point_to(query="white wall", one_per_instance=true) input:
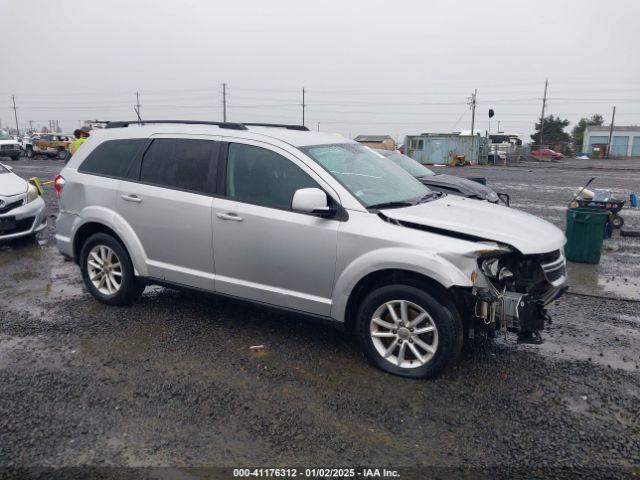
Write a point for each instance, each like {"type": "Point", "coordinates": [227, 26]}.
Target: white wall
{"type": "Point", "coordinates": [605, 133]}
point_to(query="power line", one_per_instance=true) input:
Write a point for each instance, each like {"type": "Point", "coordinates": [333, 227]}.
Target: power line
{"type": "Point", "coordinates": [15, 113]}
{"type": "Point", "coordinates": [303, 106]}
{"type": "Point", "coordinates": [137, 107]}
{"type": "Point", "coordinates": [224, 102]}
{"type": "Point", "coordinates": [544, 104]}
{"type": "Point", "coordinates": [472, 104]}
{"type": "Point", "coordinates": [613, 117]}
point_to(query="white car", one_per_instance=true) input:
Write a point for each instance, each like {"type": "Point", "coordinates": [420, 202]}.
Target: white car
{"type": "Point", "coordinates": [9, 147]}
{"type": "Point", "coordinates": [22, 209]}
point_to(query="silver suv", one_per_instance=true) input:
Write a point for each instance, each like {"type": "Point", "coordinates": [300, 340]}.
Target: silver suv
{"type": "Point", "coordinates": [309, 222]}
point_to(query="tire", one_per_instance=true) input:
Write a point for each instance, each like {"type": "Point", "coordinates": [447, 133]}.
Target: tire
{"type": "Point", "coordinates": [15, 158]}
{"type": "Point", "coordinates": [617, 221]}
{"type": "Point", "coordinates": [130, 287]}
{"type": "Point", "coordinates": [445, 337]}
{"type": "Point", "coordinates": [62, 154]}
{"type": "Point", "coordinates": [30, 152]}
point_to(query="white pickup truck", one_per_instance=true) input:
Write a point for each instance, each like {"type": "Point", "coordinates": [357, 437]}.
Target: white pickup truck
{"type": "Point", "coordinates": [9, 147]}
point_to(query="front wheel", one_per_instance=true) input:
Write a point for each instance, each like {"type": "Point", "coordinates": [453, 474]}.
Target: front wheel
{"type": "Point", "coordinates": [107, 271]}
{"type": "Point", "coordinates": [405, 331]}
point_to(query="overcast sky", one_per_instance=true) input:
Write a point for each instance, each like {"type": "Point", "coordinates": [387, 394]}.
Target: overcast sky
{"type": "Point", "coordinates": [368, 66]}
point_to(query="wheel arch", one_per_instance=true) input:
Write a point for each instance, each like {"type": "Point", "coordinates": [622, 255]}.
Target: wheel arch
{"type": "Point", "coordinates": [118, 230]}
{"type": "Point", "coordinates": [392, 276]}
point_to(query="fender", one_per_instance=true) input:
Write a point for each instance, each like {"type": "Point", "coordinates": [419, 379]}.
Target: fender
{"type": "Point", "coordinates": [115, 222]}
{"type": "Point", "coordinates": [428, 264]}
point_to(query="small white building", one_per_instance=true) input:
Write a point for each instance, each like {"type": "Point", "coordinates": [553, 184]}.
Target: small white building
{"type": "Point", "coordinates": [625, 141]}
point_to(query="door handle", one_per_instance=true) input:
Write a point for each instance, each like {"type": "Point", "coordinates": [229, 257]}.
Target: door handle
{"type": "Point", "coordinates": [131, 198]}
{"type": "Point", "coordinates": [229, 216]}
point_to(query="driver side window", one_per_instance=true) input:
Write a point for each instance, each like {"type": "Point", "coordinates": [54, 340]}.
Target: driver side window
{"type": "Point", "coordinates": [262, 177]}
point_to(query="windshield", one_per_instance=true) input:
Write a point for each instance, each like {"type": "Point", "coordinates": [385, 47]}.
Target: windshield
{"type": "Point", "coordinates": [369, 176]}
{"type": "Point", "coordinates": [412, 166]}
{"type": "Point", "coordinates": [5, 135]}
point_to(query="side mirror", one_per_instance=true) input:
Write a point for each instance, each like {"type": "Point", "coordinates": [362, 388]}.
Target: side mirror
{"type": "Point", "coordinates": [310, 200]}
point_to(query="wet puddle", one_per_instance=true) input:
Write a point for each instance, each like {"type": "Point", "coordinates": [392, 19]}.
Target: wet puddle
{"type": "Point", "coordinates": [34, 275]}
{"type": "Point", "coordinates": [602, 280]}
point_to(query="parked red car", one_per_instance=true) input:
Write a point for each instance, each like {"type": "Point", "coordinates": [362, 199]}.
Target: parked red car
{"type": "Point", "coordinates": [547, 153]}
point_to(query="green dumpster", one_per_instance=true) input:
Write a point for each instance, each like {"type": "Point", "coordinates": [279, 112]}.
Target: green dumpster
{"type": "Point", "coordinates": [481, 180]}
{"type": "Point", "coordinates": [585, 232]}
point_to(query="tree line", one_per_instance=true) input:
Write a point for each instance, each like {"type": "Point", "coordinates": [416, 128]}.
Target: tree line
{"type": "Point", "coordinates": [554, 134]}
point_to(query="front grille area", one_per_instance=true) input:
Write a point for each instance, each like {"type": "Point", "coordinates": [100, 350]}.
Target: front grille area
{"type": "Point", "coordinates": [550, 257]}
{"type": "Point", "coordinates": [555, 271]}
{"type": "Point", "coordinates": [8, 147]}
{"type": "Point", "coordinates": [10, 206]}
{"type": "Point", "coordinates": [555, 275]}
{"type": "Point", "coordinates": [22, 225]}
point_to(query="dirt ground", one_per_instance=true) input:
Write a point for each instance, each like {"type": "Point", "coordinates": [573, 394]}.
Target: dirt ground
{"type": "Point", "coordinates": [171, 381]}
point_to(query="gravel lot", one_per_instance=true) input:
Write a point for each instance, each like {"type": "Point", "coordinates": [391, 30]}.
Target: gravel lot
{"type": "Point", "coordinates": [171, 381]}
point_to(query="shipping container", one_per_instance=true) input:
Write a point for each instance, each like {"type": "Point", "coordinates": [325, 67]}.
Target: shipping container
{"type": "Point", "coordinates": [435, 148]}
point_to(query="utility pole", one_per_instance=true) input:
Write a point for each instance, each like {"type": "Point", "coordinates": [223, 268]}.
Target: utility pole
{"type": "Point", "coordinates": [31, 125]}
{"type": "Point", "coordinates": [318, 126]}
{"type": "Point", "coordinates": [303, 106]}
{"type": "Point", "coordinates": [544, 104]}
{"type": "Point", "coordinates": [15, 113]}
{"type": "Point", "coordinates": [137, 108]}
{"type": "Point", "coordinates": [613, 117]}
{"type": "Point", "coordinates": [472, 104]}
{"type": "Point", "coordinates": [224, 102]}
{"type": "Point", "coordinates": [498, 127]}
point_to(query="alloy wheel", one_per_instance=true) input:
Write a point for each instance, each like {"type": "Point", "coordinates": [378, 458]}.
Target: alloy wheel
{"type": "Point", "coordinates": [404, 334]}
{"type": "Point", "coordinates": [105, 270]}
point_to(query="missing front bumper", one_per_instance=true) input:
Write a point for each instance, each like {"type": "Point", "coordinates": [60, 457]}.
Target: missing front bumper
{"type": "Point", "coordinates": [515, 312]}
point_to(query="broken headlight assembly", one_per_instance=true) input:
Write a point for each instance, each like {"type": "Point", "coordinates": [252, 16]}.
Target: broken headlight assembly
{"type": "Point", "coordinates": [494, 270]}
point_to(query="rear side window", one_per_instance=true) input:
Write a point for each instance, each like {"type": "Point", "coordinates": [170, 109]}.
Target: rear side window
{"type": "Point", "coordinates": [184, 164]}
{"type": "Point", "coordinates": [113, 158]}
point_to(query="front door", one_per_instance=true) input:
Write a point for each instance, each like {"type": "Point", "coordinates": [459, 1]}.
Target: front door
{"type": "Point", "coordinates": [263, 250]}
{"type": "Point", "coordinates": [169, 209]}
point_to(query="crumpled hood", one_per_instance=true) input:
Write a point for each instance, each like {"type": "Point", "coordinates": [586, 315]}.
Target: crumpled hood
{"type": "Point", "coordinates": [527, 233]}
{"type": "Point", "coordinates": [11, 184]}
{"type": "Point", "coordinates": [467, 187]}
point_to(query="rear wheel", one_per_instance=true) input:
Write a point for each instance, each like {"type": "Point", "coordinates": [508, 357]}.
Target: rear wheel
{"type": "Point", "coordinates": [617, 221]}
{"type": "Point", "coordinates": [405, 331]}
{"type": "Point", "coordinates": [107, 271]}
{"type": "Point", "coordinates": [62, 154]}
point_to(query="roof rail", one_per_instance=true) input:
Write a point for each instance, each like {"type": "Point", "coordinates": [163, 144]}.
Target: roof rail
{"type": "Point", "coordinates": [229, 125]}
{"type": "Point", "coordinates": [279, 125]}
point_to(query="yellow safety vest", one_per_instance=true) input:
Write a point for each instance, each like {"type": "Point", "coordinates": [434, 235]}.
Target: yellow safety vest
{"type": "Point", "coordinates": [73, 146]}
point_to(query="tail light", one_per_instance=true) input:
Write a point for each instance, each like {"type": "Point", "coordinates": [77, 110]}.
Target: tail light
{"type": "Point", "coordinates": [58, 184]}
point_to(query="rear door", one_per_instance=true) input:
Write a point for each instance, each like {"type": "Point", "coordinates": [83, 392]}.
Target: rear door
{"type": "Point", "coordinates": [169, 208]}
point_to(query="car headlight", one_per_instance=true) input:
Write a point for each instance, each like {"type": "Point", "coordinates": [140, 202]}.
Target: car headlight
{"type": "Point", "coordinates": [32, 193]}
{"type": "Point", "coordinates": [491, 267]}
{"type": "Point", "coordinates": [494, 268]}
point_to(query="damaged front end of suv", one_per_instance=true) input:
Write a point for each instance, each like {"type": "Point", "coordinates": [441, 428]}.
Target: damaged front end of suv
{"type": "Point", "coordinates": [511, 291]}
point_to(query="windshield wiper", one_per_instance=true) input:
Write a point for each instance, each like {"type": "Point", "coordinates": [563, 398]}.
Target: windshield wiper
{"type": "Point", "coordinates": [380, 206]}
{"type": "Point", "coordinates": [429, 196]}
